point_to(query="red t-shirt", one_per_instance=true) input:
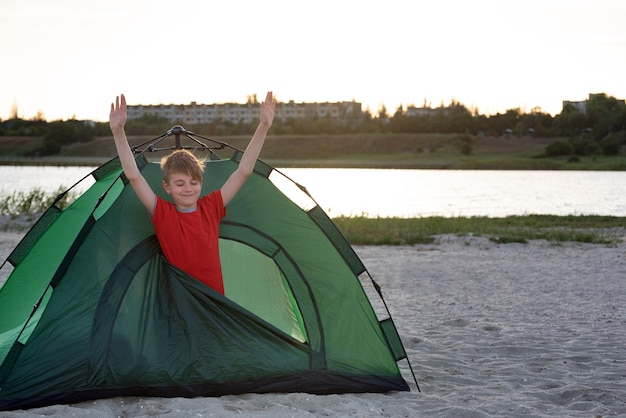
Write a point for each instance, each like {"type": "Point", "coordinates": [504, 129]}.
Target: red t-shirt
{"type": "Point", "coordinates": [190, 239]}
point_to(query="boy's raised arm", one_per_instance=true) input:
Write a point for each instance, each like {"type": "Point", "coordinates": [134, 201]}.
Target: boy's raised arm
{"type": "Point", "coordinates": [252, 152]}
{"type": "Point", "coordinates": [117, 120]}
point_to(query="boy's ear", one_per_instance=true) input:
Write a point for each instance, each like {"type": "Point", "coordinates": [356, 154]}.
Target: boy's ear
{"type": "Point", "coordinates": [167, 188]}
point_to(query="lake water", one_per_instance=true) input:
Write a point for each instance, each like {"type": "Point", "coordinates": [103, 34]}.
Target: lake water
{"type": "Point", "coordinates": [407, 193]}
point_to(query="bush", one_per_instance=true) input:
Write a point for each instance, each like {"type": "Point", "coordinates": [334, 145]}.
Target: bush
{"type": "Point", "coordinates": [50, 147]}
{"type": "Point", "coordinates": [464, 144]}
{"type": "Point", "coordinates": [559, 149]}
{"type": "Point", "coordinates": [585, 146]}
{"type": "Point", "coordinates": [611, 148]}
{"type": "Point", "coordinates": [612, 144]}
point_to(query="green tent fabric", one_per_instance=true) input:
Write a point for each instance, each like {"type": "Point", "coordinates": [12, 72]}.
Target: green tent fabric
{"type": "Point", "coordinates": [112, 317]}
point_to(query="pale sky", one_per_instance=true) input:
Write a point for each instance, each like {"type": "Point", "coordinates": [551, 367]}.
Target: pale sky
{"type": "Point", "coordinates": [69, 58]}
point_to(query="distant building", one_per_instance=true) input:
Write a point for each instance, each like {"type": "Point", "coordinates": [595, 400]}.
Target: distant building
{"type": "Point", "coordinates": [236, 113]}
{"type": "Point", "coordinates": [581, 105]}
{"type": "Point", "coordinates": [412, 111]}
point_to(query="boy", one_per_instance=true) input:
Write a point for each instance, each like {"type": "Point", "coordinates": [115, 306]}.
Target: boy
{"type": "Point", "coordinates": [188, 228]}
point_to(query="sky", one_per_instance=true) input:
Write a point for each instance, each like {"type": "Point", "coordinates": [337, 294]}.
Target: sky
{"type": "Point", "coordinates": [68, 59]}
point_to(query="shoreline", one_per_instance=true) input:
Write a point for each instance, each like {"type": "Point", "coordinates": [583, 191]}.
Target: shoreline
{"type": "Point", "coordinates": [601, 230]}
{"type": "Point", "coordinates": [385, 164]}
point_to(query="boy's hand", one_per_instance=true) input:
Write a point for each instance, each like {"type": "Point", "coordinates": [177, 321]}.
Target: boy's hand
{"type": "Point", "coordinates": [267, 110]}
{"type": "Point", "coordinates": [117, 117]}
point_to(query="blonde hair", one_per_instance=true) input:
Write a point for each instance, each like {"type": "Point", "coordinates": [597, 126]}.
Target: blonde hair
{"type": "Point", "coordinates": [183, 162]}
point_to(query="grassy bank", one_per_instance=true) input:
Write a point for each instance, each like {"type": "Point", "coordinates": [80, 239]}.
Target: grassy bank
{"type": "Point", "coordinates": [442, 151]}
{"type": "Point", "coordinates": [521, 229]}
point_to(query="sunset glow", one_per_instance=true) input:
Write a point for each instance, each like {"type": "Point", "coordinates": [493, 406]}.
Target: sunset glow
{"type": "Point", "coordinates": [69, 58]}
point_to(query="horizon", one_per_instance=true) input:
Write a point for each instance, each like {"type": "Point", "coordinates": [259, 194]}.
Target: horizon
{"type": "Point", "coordinates": [390, 111]}
{"type": "Point", "coordinates": [70, 59]}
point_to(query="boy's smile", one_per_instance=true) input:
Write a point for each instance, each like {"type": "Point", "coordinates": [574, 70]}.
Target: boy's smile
{"type": "Point", "coordinates": [184, 190]}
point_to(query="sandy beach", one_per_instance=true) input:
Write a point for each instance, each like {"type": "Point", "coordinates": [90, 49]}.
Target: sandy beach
{"type": "Point", "coordinates": [493, 330]}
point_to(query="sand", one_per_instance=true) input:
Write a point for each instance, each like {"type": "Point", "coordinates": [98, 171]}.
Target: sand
{"type": "Point", "coordinates": [491, 329]}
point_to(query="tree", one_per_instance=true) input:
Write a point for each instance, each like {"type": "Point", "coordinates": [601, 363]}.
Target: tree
{"type": "Point", "coordinates": [570, 122]}
{"type": "Point", "coordinates": [39, 116]}
{"type": "Point", "coordinates": [536, 122]}
{"type": "Point", "coordinates": [459, 118]}
{"type": "Point", "coordinates": [382, 112]}
{"type": "Point", "coordinates": [500, 122]}
{"type": "Point", "coordinates": [605, 114]}
{"type": "Point", "coordinates": [14, 113]}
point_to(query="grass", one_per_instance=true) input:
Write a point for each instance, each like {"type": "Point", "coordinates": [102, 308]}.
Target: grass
{"type": "Point", "coordinates": [520, 229]}
{"type": "Point", "coordinates": [351, 150]}
{"type": "Point", "coordinates": [36, 200]}
{"type": "Point", "coordinates": [19, 207]}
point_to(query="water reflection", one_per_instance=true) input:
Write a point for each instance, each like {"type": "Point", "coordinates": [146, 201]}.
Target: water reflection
{"type": "Point", "coordinates": [407, 193]}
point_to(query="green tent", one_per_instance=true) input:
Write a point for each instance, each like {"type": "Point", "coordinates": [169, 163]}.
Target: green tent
{"type": "Point", "coordinates": [91, 308]}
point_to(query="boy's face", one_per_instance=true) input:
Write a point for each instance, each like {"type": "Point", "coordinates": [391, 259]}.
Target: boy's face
{"type": "Point", "coordinates": [184, 190]}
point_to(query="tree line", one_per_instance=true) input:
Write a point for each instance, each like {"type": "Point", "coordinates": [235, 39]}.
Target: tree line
{"type": "Point", "coordinates": [599, 129]}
